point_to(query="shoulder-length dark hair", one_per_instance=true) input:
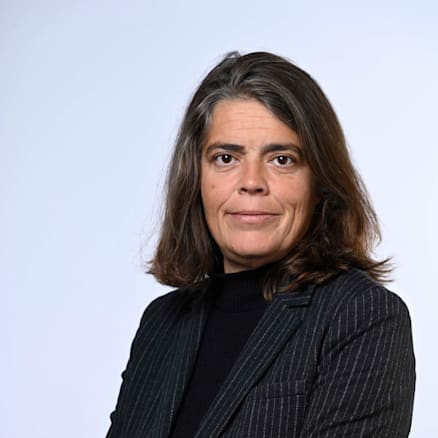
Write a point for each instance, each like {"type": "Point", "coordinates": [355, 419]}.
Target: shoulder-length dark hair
{"type": "Point", "coordinates": [344, 226]}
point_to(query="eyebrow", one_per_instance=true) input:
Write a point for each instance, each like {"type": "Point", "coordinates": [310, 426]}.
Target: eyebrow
{"type": "Point", "coordinates": [267, 148]}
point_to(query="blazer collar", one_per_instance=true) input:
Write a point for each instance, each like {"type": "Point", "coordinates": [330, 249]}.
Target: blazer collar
{"type": "Point", "coordinates": [181, 359]}
{"type": "Point", "coordinates": [280, 320]}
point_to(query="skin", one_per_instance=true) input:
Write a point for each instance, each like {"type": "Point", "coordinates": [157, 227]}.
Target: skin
{"type": "Point", "coordinates": [256, 188]}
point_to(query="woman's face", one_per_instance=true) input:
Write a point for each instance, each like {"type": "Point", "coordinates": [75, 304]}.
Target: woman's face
{"type": "Point", "coordinates": [256, 189]}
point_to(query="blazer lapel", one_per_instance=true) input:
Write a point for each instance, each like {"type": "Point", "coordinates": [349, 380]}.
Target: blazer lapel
{"type": "Point", "coordinates": [182, 355]}
{"type": "Point", "coordinates": [280, 320]}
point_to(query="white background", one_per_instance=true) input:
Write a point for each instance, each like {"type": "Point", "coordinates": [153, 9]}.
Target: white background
{"type": "Point", "coordinates": [91, 94]}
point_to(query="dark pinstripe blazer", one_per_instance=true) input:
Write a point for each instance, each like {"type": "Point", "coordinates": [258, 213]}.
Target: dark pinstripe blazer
{"type": "Point", "coordinates": [334, 360]}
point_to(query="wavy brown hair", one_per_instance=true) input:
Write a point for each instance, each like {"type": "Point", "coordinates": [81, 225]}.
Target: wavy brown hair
{"type": "Point", "coordinates": [344, 226]}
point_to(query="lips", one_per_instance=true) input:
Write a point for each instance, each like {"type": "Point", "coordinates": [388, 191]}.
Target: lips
{"type": "Point", "coordinates": [251, 217]}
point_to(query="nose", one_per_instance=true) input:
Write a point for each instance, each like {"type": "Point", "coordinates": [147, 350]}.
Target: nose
{"type": "Point", "coordinates": [252, 179]}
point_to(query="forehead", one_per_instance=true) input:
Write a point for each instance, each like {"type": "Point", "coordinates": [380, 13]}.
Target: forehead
{"type": "Point", "coordinates": [249, 123]}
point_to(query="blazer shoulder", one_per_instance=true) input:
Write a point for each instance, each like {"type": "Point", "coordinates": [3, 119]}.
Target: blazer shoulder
{"type": "Point", "coordinates": [159, 317]}
{"type": "Point", "coordinates": [171, 304]}
{"type": "Point", "coordinates": [353, 286]}
{"type": "Point", "coordinates": [170, 298]}
{"type": "Point", "coordinates": [177, 296]}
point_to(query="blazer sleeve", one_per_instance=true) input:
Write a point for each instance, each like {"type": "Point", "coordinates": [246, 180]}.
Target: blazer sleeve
{"type": "Point", "coordinates": [366, 375]}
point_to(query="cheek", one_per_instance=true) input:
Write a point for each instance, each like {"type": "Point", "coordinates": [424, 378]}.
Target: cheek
{"type": "Point", "coordinates": [300, 200]}
{"type": "Point", "coordinates": [208, 193]}
{"type": "Point", "coordinates": [210, 199]}
{"type": "Point", "coordinates": [214, 193]}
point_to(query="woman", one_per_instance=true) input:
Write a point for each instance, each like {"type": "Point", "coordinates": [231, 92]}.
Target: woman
{"type": "Point", "coordinates": [280, 326]}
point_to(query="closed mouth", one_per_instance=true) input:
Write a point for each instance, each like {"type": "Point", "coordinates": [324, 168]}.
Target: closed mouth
{"type": "Point", "coordinates": [252, 217]}
{"type": "Point", "coordinates": [253, 213]}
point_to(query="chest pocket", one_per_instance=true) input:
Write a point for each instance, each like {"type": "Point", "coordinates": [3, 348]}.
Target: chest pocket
{"type": "Point", "coordinates": [272, 410]}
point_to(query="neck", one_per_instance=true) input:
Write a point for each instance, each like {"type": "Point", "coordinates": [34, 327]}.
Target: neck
{"type": "Point", "coordinates": [239, 291]}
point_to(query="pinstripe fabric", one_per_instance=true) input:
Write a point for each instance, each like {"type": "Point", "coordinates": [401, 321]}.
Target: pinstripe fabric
{"type": "Point", "coordinates": [331, 361]}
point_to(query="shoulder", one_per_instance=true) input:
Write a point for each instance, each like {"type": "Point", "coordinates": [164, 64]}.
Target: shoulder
{"type": "Point", "coordinates": [355, 284]}
{"type": "Point", "coordinates": [170, 306]}
{"type": "Point", "coordinates": [176, 298]}
{"type": "Point", "coordinates": [159, 318]}
{"type": "Point", "coordinates": [168, 299]}
{"type": "Point", "coordinates": [354, 293]}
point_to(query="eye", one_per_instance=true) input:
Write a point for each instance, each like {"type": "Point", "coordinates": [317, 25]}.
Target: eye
{"type": "Point", "coordinates": [224, 159]}
{"type": "Point", "coordinates": [283, 161]}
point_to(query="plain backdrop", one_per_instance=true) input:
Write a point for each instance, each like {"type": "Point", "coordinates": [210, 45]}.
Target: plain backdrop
{"type": "Point", "coordinates": [91, 95]}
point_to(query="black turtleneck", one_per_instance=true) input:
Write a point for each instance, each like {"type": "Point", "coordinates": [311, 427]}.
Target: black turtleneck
{"type": "Point", "coordinates": [237, 305]}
